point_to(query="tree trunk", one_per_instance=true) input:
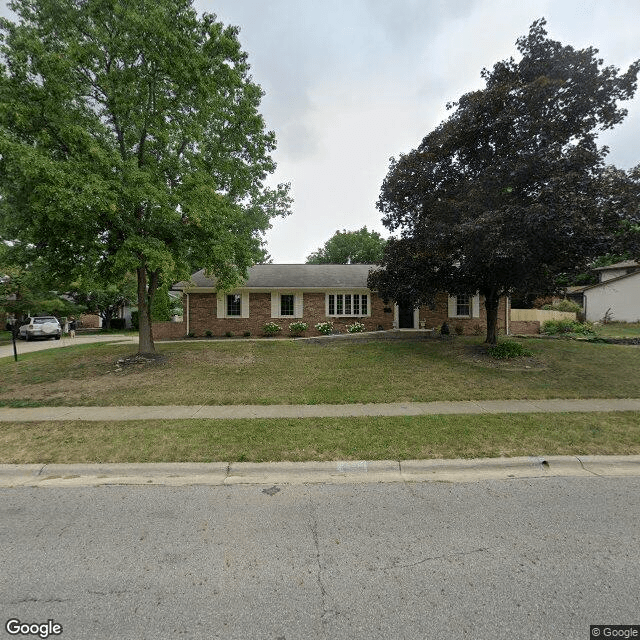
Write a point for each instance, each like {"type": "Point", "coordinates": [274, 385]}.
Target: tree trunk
{"type": "Point", "coordinates": [491, 302]}
{"type": "Point", "coordinates": [145, 335]}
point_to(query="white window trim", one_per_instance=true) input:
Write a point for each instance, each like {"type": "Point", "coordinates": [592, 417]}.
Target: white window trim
{"type": "Point", "coordinates": [222, 304]}
{"type": "Point", "coordinates": [348, 293]}
{"type": "Point", "coordinates": [276, 307]}
{"type": "Point", "coordinates": [474, 307]}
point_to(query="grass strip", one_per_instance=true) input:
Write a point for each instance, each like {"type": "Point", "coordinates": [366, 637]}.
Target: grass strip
{"type": "Point", "coordinates": [385, 438]}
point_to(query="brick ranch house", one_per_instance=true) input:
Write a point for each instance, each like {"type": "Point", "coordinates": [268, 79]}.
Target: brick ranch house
{"type": "Point", "coordinates": [313, 293]}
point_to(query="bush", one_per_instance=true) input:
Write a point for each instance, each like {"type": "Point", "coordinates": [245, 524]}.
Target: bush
{"type": "Point", "coordinates": [191, 334]}
{"type": "Point", "coordinates": [508, 349]}
{"type": "Point", "coordinates": [356, 327]}
{"type": "Point", "coordinates": [118, 324]}
{"type": "Point", "coordinates": [560, 327]}
{"type": "Point", "coordinates": [297, 328]}
{"type": "Point", "coordinates": [325, 327]}
{"type": "Point", "coordinates": [271, 328]}
{"type": "Point", "coordinates": [247, 334]}
{"type": "Point", "coordinates": [208, 333]}
{"type": "Point", "coordinates": [135, 320]}
{"type": "Point", "coordinates": [563, 305]}
{"type": "Point", "coordinates": [459, 329]}
{"type": "Point", "coordinates": [229, 334]}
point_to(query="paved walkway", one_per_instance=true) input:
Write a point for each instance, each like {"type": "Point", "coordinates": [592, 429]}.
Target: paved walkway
{"type": "Point", "coordinates": [6, 350]}
{"type": "Point", "coordinates": [226, 412]}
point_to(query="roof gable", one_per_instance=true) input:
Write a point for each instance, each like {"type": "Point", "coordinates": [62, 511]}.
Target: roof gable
{"type": "Point", "coordinates": [604, 283]}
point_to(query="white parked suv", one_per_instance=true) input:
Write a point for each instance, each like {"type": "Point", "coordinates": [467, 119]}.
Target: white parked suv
{"type": "Point", "coordinates": [40, 327]}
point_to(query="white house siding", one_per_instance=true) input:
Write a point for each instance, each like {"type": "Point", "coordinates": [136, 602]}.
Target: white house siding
{"type": "Point", "coordinates": [621, 296]}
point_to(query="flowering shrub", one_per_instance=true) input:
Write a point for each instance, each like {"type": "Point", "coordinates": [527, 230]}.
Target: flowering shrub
{"type": "Point", "coordinates": [356, 327]}
{"type": "Point", "coordinates": [297, 328]}
{"type": "Point", "coordinates": [271, 328]}
{"type": "Point", "coordinates": [325, 327]}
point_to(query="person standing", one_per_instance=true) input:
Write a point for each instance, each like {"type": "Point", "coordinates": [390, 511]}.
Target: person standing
{"type": "Point", "coordinates": [72, 328]}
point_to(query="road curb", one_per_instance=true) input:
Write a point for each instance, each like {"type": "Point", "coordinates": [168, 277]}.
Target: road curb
{"type": "Point", "coordinates": [333, 472]}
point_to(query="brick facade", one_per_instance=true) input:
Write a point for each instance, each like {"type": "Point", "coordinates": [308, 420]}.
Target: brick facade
{"type": "Point", "coordinates": [466, 326]}
{"type": "Point", "coordinates": [168, 330]}
{"type": "Point", "coordinates": [203, 318]}
{"type": "Point", "coordinates": [525, 327]}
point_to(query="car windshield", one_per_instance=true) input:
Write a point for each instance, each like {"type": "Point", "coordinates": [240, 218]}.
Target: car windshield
{"type": "Point", "coordinates": [44, 320]}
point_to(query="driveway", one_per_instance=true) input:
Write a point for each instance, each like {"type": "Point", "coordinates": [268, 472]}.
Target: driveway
{"type": "Point", "coordinates": [22, 346]}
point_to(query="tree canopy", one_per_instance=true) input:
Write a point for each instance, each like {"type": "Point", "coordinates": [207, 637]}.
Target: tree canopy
{"type": "Point", "coordinates": [511, 190]}
{"type": "Point", "coordinates": [350, 247]}
{"type": "Point", "coordinates": [131, 142]}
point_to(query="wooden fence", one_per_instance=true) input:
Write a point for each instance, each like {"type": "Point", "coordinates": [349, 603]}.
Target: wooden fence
{"type": "Point", "coordinates": [540, 315]}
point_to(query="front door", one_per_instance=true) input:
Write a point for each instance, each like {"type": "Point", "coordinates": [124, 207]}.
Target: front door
{"type": "Point", "coordinates": [405, 317]}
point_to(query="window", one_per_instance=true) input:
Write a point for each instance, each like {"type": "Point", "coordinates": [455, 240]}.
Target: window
{"type": "Point", "coordinates": [234, 305]}
{"type": "Point", "coordinates": [463, 306]}
{"type": "Point", "coordinates": [287, 304]}
{"type": "Point", "coordinates": [347, 304]}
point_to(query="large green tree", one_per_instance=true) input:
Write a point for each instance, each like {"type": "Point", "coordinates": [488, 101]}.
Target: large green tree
{"type": "Point", "coordinates": [24, 291]}
{"type": "Point", "coordinates": [106, 300]}
{"type": "Point", "coordinates": [511, 190]}
{"type": "Point", "coordinates": [350, 247]}
{"type": "Point", "coordinates": [131, 142]}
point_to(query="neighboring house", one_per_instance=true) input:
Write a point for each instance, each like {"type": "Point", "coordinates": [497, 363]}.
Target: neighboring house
{"type": "Point", "coordinates": [616, 295]}
{"type": "Point", "coordinates": [313, 293]}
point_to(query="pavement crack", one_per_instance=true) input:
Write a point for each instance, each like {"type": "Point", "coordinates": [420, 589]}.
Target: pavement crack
{"type": "Point", "coordinates": [44, 466]}
{"type": "Point", "coordinates": [445, 556]}
{"type": "Point", "coordinates": [593, 473]}
{"type": "Point", "coordinates": [326, 613]}
{"type": "Point", "coordinates": [38, 600]}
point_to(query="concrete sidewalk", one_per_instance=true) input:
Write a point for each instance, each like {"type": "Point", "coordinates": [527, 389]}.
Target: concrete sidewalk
{"type": "Point", "coordinates": [227, 412]}
{"type": "Point", "coordinates": [338, 472]}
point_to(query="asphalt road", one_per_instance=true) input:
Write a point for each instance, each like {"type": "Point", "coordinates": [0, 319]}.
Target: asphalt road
{"type": "Point", "coordinates": [513, 559]}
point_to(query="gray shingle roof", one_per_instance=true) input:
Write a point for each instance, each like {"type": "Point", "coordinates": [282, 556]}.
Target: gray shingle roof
{"type": "Point", "coordinates": [295, 276]}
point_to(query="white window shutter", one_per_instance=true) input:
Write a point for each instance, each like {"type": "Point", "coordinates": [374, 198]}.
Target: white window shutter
{"type": "Point", "coordinates": [221, 306]}
{"type": "Point", "coordinates": [244, 309]}
{"type": "Point", "coordinates": [275, 304]}
{"type": "Point", "coordinates": [453, 306]}
{"type": "Point", "coordinates": [298, 310]}
{"type": "Point", "coordinates": [475, 306]}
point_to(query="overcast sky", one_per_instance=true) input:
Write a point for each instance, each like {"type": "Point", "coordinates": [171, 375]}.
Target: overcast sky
{"type": "Point", "coordinates": [350, 83]}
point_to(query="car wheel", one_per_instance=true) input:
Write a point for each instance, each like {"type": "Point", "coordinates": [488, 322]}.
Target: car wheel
{"type": "Point", "coordinates": [57, 337]}
{"type": "Point", "coordinates": [26, 337]}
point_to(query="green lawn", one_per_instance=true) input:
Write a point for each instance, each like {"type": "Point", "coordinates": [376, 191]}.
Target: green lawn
{"type": "Point", "coordinates": [296, 372]}
{"type": "Point", "coordinates": [398, 438]}
{"type": "Point", "coordinates": [619, 330]}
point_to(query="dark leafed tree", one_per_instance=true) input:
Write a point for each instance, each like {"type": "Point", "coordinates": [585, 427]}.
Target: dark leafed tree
{"type": "Point", "coordinates": [350, 247]}
{"type": "Point", "coordinates": [511, 190]}
{"type": "Point", "coordinates": [131, 142]}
